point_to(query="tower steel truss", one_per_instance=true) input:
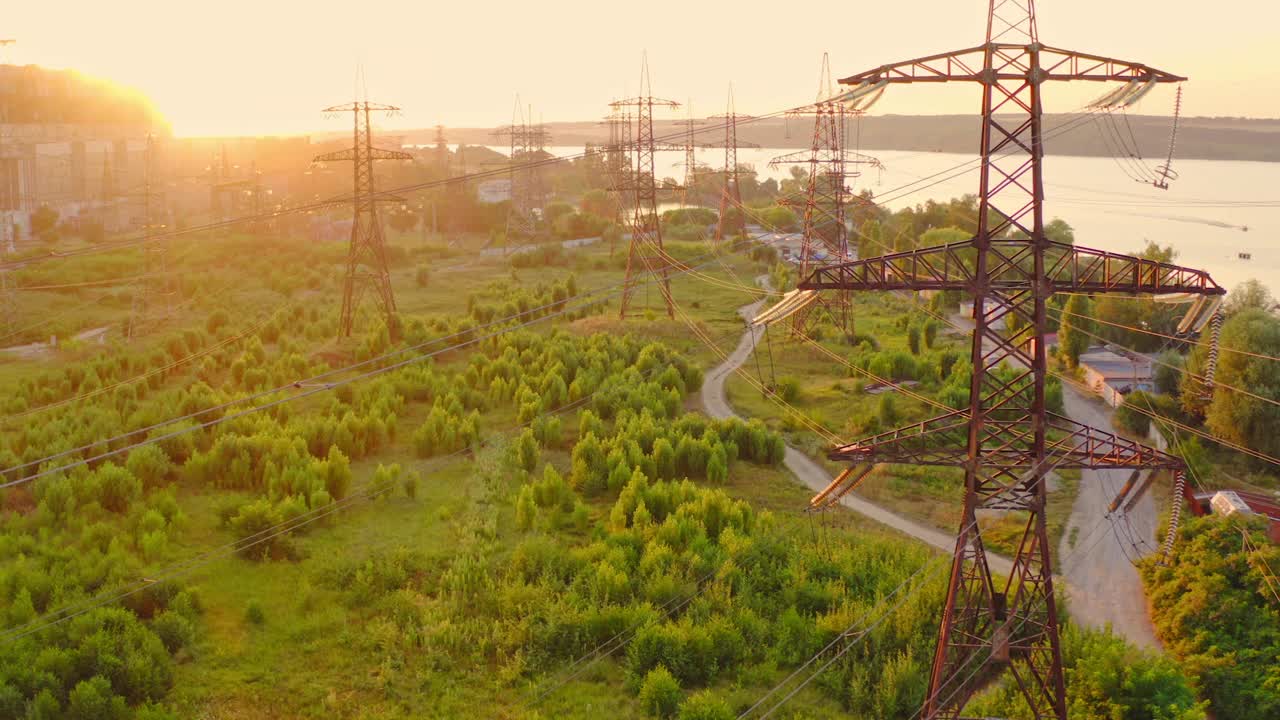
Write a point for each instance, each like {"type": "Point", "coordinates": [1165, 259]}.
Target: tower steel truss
{"type": "Point", "coordinates": [824, 232]}
{"type": "Point", "coordinates": [645, 250]}
{"type": "Point", "coordinates": [366, 254]}
{"type": "Point", "coordinates": [731, 191]}
{"type": "Point", "coordinates": [528, 142]}
{"type": "Point", "coordinates": [1004, 439]}
{"type": "Point", "coordinates": [153, 299]}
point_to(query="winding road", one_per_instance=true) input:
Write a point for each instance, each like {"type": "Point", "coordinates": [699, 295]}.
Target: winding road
{"type": "Point", "coordinates": [1102, 586]}
{"type": "Point", "coordinates": [808, 472]}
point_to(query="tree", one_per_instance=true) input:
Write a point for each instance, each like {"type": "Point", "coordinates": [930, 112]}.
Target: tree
{"type": "Point", "coordinates": [43, 220]}
{"type": "Point", "coordinates": [888, 411]}
{"type": "Point", "coordinates": [1248, 294]}
{"type": "Point", "coordinates": [1073, 335]}
{"type": "Point", "coordinates": [93, 699]}
{"type": "Point", "coordinates": [930, 333]}
{"type": "Point", "coordinates": [705, 705]}
{"type": "Point", "coordinates": [402, 220]}
{"type": "Point", "coordinates": [1168, 371]}
{"type": "Point", "coordinates": [1057, 230]}
{"type": "Point", "coordinates": [1232, 415]}
{"type": "Point", "coordinates": [913, 338]}
{"type": "Point", "coordinates": [660, 694]}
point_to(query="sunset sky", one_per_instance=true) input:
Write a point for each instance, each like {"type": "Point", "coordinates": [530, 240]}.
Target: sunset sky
{"type": "Point", "coordinates": [241, 67]}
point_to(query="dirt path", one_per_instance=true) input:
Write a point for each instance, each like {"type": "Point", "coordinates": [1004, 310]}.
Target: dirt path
{"type": "Point", "coordinates": [1102, 585]}
{"type": "Point", "coordinates": [37, 350]}
{"type": "Point", "coordinates": [808, 472]}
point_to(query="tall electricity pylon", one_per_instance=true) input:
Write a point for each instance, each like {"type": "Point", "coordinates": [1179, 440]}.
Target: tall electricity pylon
{"type": "Point", "coordinates": [689, 193]}
{"type": "Point", "coordinates": [731, 192]}
{"type": "Point", "coordinates": [1005, 439]}
{"type": "Point", "coordinates": [645, 252]}
{"type": "Point", "coordinates": [153, 299]}
{"type": "Point", "coordinates": [366, 254]}
{"type": "Point", "coordinates": [825, 232]}
{"type": "Point", "coordinates": [528, 194]}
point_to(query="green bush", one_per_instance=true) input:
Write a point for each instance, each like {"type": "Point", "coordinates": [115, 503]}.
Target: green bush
{"type": "Point", "coordinates": [253, 613]}
{"type": "Point", "coordinates": [660, 694]}
{"type": "Point", "coordinates": [705, 705]}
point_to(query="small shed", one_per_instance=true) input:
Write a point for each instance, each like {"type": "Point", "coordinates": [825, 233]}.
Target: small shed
{"type": "Point", "coordinates": [1114, 375]}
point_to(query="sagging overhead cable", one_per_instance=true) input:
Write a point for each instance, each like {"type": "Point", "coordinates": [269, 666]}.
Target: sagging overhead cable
{"type": "Point", "coordinates": [791, 303]}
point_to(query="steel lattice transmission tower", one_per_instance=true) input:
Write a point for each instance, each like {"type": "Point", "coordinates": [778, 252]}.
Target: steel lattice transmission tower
{"type": "Point", "coordinates": [1004, 438]}
{"type": "Point", "coordinates": [617, 164]}
{"type": "Point", "coordinates": [825, 232]}
{"type": "Point", "coordinates": [731, 192]}
{"type": "Point", "coordinates": [528, 142]}
{"type": "Point", "coordinates": [689, 193]}
{"type": "Point", "coordinates": [645, 252]}
{"type": "Point", "coordinates": [366, 255]}
{"type": "Point", "coordinates": [153, 300]}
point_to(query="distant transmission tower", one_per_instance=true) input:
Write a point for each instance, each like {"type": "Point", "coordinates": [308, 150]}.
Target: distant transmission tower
{"type": "Point", "coordinates": [366, 255]}
{"type": "Point", "coordinates": [153, 299]}
{"type": "Point", "coordinates": [617, 165]}
{"type": "Point", "coordinates": [689, 196]}
{"type": "Point", "coordinates": [528, 195]}
{"type": "Point", "coordinates": [825, 232]}
{"type": "Point", "coordinates": [8, 303]}
{"type": "Point", "coordinates": [1005, 438]}
{"type": "Point", "coordinates": [645, 252]}
{"type": "Point", "coordinates": [731, 192]}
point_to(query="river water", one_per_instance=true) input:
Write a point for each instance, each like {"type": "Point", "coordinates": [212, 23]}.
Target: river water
{"type": "Point", "coordinates": [1221, 216]}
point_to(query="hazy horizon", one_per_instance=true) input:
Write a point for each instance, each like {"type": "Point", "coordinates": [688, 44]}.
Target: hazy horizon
{"type": "Point", "coordinates": [256, 69]}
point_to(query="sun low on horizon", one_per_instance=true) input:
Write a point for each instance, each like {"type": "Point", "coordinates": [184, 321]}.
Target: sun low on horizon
{"type": "Point", "coordinates": [245, 68]}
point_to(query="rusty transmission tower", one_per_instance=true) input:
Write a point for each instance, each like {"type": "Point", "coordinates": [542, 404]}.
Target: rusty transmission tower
{"type": "Point", "coordinates": [366, 254]}
{"type": "Point", "coordinates": [528, 143]}
{"type": "Point", "coordinates": [617, 164]}
{"type": "Point", "coordinates": [153, 300]}
{"type": "Point", "coordinates": [825, 232]}
{"type": "Point", "coordinates": [731, 192]}
{"type": "Point", "coordinates": [645, 252]}
{"type": "Point", "coordinates": [689, 193]}
{"type": "Point", "coordinates": [1005, 439]}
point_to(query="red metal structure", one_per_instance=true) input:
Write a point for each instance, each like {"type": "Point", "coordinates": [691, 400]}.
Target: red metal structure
{"type": "Point", "coordinates": [731, 193]}
{"type": "Point", "coordinates": [645, 249]}
{"type": "Point", "coordinates": [154, 297]}
{"type": "Point", "coordinates": [528, 195]}
{"type": "Point", "coordinates": [366, 255]}
{"type": "Point", "coordinates": [825, 233]}
{"type": "Point", "coordinates": [1004, 439]}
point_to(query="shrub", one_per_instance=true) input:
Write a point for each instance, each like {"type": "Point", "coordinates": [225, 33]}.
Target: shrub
{"type": "Point", "coordinates": [253, 612]}
{"type": "Point", "coordinates": [660, 694]}
{"type": "Point", "coordinates": [705, 705]}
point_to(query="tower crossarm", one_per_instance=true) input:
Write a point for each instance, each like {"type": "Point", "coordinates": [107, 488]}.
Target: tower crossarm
{"type": "Point", "coordinates": [1009, 62]}
{"type": "Point", "coordinates": [943, 441]}
{"type": "Point", "coordinates": [1010, 268]}
{"type": "Point", "coordinates": [351, 154]}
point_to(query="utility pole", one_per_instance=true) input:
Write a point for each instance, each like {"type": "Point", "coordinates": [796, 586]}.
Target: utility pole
{"type": "Point", "coordinates": [366, 254]}
{"type": "Point", "coordinates": [825, 232]}
{"type": "Point", "coordinates": [645, 252]}
{"type": "Point", "coordinates": [1005, 439]}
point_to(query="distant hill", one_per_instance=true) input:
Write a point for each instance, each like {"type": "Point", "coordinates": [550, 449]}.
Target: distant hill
{"type": "Point", "coordinates": [1205, 138]}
